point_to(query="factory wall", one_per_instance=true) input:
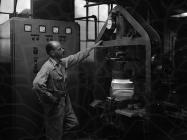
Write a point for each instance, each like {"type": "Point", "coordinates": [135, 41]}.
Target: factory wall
{"type": "Point", "coordinates": [53, 9]}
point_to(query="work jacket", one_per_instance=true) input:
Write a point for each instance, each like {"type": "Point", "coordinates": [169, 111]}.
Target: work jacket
{"type": "Point", "coordinates": [50, 81]}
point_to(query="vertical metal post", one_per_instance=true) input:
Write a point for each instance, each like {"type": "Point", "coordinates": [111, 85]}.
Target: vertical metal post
{"type": "Point", "coordinates": [120, 26]}
{"type": "Point", "coordinates": [98, 18]}
{"type": "Point", "coordinates": [148, 69]}
{"type": "Point", "coordinates": [31, 3]}
{"type": "Point", "coordinates": [86, 24]}
{"type": "Point", "coordinates": [95, 19]}
{"type": "Point", "coordinates": [15, 5]}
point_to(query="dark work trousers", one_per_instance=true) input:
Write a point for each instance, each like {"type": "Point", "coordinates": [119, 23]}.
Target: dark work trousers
{"type": "Point", "coordinates": [59, 117]}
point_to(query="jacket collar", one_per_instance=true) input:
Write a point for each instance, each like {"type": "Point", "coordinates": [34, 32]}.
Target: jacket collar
{"type": "Point", "coordinates": [54, 63]}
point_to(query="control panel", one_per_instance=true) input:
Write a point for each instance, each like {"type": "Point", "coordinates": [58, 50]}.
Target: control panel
{"type": "Point", "coordinates": [22, 53]}
{"type": "Point", "coordinates": [50, 33]}
{"type": "Point", "coordinates": [31, 37]}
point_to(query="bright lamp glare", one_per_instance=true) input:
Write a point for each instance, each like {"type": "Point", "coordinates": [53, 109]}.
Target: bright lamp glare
{"type": "Point", "coordinates": [180, 15]}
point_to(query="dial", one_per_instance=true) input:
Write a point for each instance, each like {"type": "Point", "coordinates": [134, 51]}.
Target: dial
{"type": "Point", "coordinates": [42, 29]}
{"type": "Point", "coordinates": [68, 30]}
{"type": "Point", "coordinates": [27, 28]}
{"type": "Point", "coordinates": [55, 30]}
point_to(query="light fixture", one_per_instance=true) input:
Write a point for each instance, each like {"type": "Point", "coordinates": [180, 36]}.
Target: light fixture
{"type": "Point", "coordinates": [181, 15]}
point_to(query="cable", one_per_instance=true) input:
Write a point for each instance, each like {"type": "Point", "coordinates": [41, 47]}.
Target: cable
{"type": "Point", "coordinates": [15, 6]}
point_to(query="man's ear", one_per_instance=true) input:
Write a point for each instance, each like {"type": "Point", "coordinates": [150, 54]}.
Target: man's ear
{"type": "Point", "coordinates": [52, 53]}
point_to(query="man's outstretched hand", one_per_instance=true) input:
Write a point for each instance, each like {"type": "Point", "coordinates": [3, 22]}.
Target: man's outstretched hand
{"type": "Point", "coordinates": [98, 44]}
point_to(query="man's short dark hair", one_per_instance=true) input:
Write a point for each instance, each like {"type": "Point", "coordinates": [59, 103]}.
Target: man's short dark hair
{"type": "Point", "coordinates": [49, 47]}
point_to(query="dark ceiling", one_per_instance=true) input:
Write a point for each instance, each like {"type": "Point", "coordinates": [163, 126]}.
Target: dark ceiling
{"type": "Point", "coordinates": [157, 7]}
{"type": "Point", "coordinates": [158, 12]}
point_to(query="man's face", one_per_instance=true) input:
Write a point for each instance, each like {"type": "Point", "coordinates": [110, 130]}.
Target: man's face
{"type": "Point", "coordinates": [58, 50]}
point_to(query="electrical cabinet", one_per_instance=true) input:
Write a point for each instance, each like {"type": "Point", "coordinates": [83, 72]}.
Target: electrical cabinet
{"type": "Point", "coordinates": [22, 53]}
{"type": "Point", "coordinates": [23, 45]}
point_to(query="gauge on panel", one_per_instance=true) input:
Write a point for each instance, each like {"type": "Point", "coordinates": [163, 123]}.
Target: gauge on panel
{"type": "Point", "coordinates": [56, 30]}
{"type": "Point", "coordinates": [27, 28]}
{"type": "Point", "coordinates": [68, 30]}
{"type": "Point", "coordinates": [42, 29]}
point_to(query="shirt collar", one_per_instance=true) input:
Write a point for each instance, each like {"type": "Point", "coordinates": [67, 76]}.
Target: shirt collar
{"type": "Point", "coordinates": [53, 61]}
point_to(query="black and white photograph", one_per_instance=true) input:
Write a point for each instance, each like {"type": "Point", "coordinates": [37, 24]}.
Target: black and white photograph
{"type": "Point", "coordinates": [93, 69]}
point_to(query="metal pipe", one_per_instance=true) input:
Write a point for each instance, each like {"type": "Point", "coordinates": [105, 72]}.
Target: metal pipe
{"type": "Point", "coordinates": [15, 5]}
{"type": "Point", "coordinates": [5, 13]}
{"type": "Point", "coordinates": [100, 3]}
{"type": "Point", "coordinates": [95, 4]}
{"type": "Point", "coordinates": [86, 24]}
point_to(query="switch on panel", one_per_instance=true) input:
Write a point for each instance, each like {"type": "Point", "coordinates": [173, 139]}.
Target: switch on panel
{"type": "Point", "coordinates": [35, 37]}
{"type": "Point", "coordinates": [35, 69]}
{"type": "Point", "coordinates": [49, 37]}
{"type": "Point", "coordinates": [35, 50]}
{"type": "Point", "coordinates": [62, 38]}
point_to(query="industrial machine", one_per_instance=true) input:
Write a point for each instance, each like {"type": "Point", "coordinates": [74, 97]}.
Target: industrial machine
{"type": "Point", "coordinates": [22, 52]}
{"type": "Point", "coordinates": [129, 44]}
{"type": "Point", "coordinates": [138, 76]}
